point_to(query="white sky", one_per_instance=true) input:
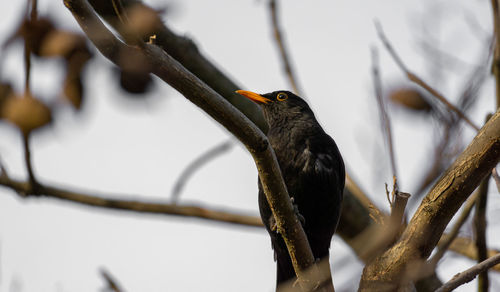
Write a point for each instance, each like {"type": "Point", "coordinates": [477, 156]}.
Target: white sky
{"type": "Point", "coordinates": [120, 146]}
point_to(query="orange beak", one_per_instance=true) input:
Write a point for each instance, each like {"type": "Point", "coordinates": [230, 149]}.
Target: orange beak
{"type": "Point", "coordinates": [253, 96]}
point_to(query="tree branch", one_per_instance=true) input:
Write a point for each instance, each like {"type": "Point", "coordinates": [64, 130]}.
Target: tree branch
{"type": "Point", "coordinates": [480, 232]}
{"type": "Point", "coordinates": [496, 177]}
{"type": "Point", "coordinates": [469, 274]}
{"type": "Point", "coordinates": [112, 284]}
{"type": "Point", "coordinates": [173, 73]}
{"type": "Point", "coordinates": [23, 188]}
{"type": "Point", "coordinates": [436, 210]}
{"type": "Point", "coordinates": [196, 164]}
{"type": "Point", "coordinates": [496, 55]}
{"type": "Point", "coordinates": [466, 247]}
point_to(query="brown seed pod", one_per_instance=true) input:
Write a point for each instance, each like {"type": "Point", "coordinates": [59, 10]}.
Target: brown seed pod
{"type": "Point", "coordinates": [410, 98]}
{"type": "Point", "coordinates": [25, 112]}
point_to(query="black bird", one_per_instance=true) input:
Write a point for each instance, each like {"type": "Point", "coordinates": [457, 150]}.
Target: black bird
{"type": "Point", "coordinates": [313, 171]}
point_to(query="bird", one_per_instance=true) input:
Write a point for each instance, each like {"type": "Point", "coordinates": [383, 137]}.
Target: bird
{"type": "Point", "coordinates": [312, 169]}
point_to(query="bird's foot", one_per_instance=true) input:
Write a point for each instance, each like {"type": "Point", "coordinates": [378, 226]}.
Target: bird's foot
{"type": "Point", "coordinates": [297, 213]}
{"type": "Point", "coordinates": [272, 224]}
{"type": "Point", "coordinates": [272, 221]}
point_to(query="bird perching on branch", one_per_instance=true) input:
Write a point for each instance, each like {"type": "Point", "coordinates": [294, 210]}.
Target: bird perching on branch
{"type": "Point", "coordinates": [312, 169]}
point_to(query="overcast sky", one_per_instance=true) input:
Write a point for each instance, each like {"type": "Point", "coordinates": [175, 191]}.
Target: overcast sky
{"type": "Point", "coordinates": [118, 145]}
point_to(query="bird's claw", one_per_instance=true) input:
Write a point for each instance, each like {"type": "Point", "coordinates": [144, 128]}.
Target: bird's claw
{"type": "Point", "coordinates": [272, 221]}
{"type": "Point", "coordinates": [297, 213]}
{"type": "Point", "coordinates": [272, 224]}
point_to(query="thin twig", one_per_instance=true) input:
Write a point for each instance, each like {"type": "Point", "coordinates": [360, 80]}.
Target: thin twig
{"type": "Point", "coordinates": [465, 246]}
{"type": "Point", "coordinates": [142, 206]}
{"type": "Point", "coordinates": [384, 118]}
{"type": "Point", "coordinates": [28, 162]}
{"type": "Point", "coordinates": [112, 284]}
{"type": "Point", "coordinates": [3, 169]}
{"type": "Point", "coordinates": [480, 232]}
{"type": "Point", "coordinates": [197, 164]}
{"type": "Point", "coordinates": [496, 177]}
{"type": "Point", "coordinates": [27, 48]}
{"type": "Point", "coordinates": [496, 56]}
{"type": "Point", "coordinates": [278, 36]}
{"type": "Point", "coordinates": [451, 126]}
{"type": "Point", "coordinates": [469, 274]}
{"type": "Point", "coordinates": [412, 77]}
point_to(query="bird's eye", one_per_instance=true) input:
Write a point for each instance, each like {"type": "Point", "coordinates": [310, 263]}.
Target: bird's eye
{"type": "Point", "coordinates": [281, 96]}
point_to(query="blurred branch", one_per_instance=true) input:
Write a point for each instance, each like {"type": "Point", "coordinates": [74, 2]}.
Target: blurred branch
{"type": "Point", "coordinates": [112, 284]}
{"type": "Point", "coordinates": [465, 246]}
{"type": "Point", "coordinates": [496, 177]}
{"type": "Point", "coordinates": [197, 164]}
{"type": "Point", "coordinates": [173, 73]}
{"type": "Point", "coordinates": [473, 83]}
{"type": "Point", "coordinates": [411, 76]}
{"type": "Point", "coordinates": [436, 210]}
{"type": "Point", "coordinates": [27, 45]}
{"type": "Point", "coordinates": [27, 160]}
{"type": "Point", "coordinates": [278, 36]}
{"type": "Point", "coordinates": [376, 239]}
{"type": "Point", "coordinates": [24, 189]}
{"type": "Point", "coordinates": [480, 232]}
{"type": "Point", "coordinates": [3, 169]}
{"type": "Point", "coordinates": [469, 274]}
{"type": "Point", "coordinates": [384, 118]}
{"type": "Point", "coordinates": [496, 56]}
{"type": "Point", "coordinates": [121, 13]}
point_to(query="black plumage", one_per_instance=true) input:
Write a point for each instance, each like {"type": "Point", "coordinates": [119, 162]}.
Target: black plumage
{"type": "Point", "coordinates": [313, 171]}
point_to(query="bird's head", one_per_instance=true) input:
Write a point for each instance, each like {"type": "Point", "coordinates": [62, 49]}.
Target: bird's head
{"type": "Point", "coordinates": [280, 106]}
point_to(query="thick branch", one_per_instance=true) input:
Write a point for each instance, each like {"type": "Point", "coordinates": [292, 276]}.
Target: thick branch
{"type": "Point", "coordinates": [436, 210]}
{"type": "Point", "coordinates": [169, 70]}
{"type": "Point", "coordinates": [24, 189]}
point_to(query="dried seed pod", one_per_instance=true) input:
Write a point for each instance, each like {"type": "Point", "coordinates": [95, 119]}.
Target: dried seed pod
{"type": "Point", "coordinates": [73, 91]}
{"type": "Point", "coordinates": [33, 32]}
{"type": "Point", "coordinates": [62, 43]}
{"type": "Point", "coordinates": [410, 98]}
{"type": "Point", "coordinates": [25, 112]}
